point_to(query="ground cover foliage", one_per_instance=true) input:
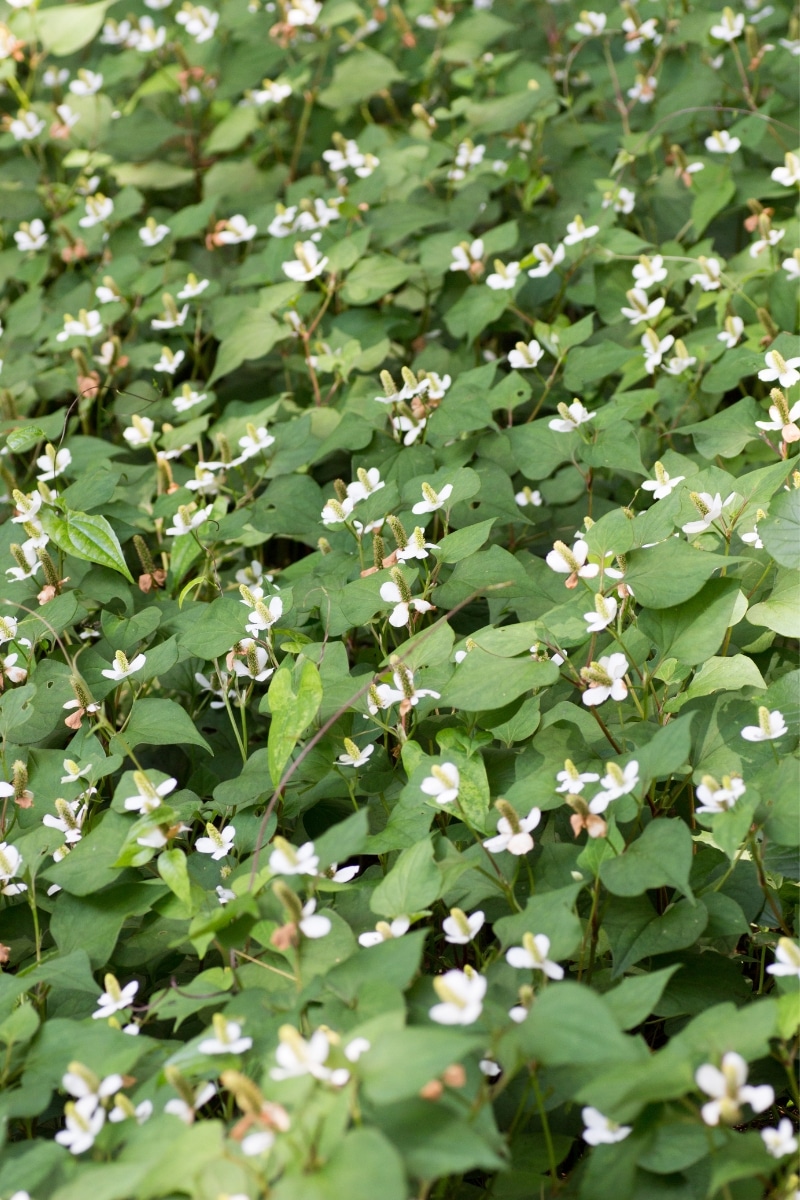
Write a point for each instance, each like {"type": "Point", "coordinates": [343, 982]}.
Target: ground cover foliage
{"type": "Point", "coordinates": [400, 422]}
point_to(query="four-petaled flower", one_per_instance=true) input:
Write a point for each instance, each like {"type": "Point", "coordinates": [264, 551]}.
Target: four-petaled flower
{"type": "Point", "coordinates": [780, 369]}
{"type": "Point", "coordinates": [710, 509]}
{"type": "Point", "coordinates": [123, 667]}
{"type": "Point", "coordinates": [525, 356]}
{"type": "Point", "coordinates": [662, 485]}
{"type": "Point", "coordinates": [286, 860]}
{"type": "Point", "coordinates": [115, 998]}
{"type": "Point", "coordinates": [384, 931]}
{"type": "Point", "coordinates": [460, 929]}
{"type": "Point", "coordinates": [605, 610]}
{"type": "Point", "coordinates": [431, 500]}
{"type": "Point", "coordinates": [571, 416]}
{"type": "Point", "coordinates": [227, 1038]}
{"type": "Point", "coordinates": [461, 997]}
{"type": "Point", "coordinates": [513, 831]}
{"type": "Point", "coordinates": [532, 956]}
{"type": "Point", "coordinates": [218, 842]}
{"type": "Point", "coordinates": [353, 757]}
{"type": "Point", "coordinates": [442, 783]}
{"type": "Point", "coordinates": [606, 680]}
{"type": "Point", "coordinates": [600, 1130]}
{"type": "Point", "coordinates": [781, 1141]}
{"type": "Point", "coordinates": [770, 725]}
{"type": "Point", "coordinates": [307, 264]}
{"type": "Point", "coordinates": [787, 958]}
{"type": "Point", "coordinates": [729, 1090]}
{"type": "Point", "coordinates": [617, 781]}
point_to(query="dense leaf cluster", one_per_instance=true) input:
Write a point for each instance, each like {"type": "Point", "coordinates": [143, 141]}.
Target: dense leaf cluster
{"type": "Point", "coordinates": [399, 412]}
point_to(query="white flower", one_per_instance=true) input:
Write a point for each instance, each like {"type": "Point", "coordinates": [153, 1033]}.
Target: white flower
{"type": "Point", "coordinates": [235, 230]}
{"type": "Point", "coordinates": [466, 254]}
{"type": "Point", "coordinates": [140, 433]}
{"type": "Point", "coordinates": [641, 308]}
{"type": "Point", "coordinates": [123, 1110]}
{"type": "Point", "coordinates": [10, 866]}
{"type": "Point", "coordinates": [529, 496]}
{"type": "Point", "coordinates": [296, 1057]}
{"type": "Point", "coordinates": [780, 369]}
{"type": "Point", "coordinates": [730, 335]}
{"type": "Point", "coordinates": [28, 552]}
{"type": "Point", "coordinates": [286, 860]}
{"type": "Point", "coordinates": [55, 77]}
{"type": "Point", "coordinates": [192, 288]}
{"type": "Point", "coordinates": [411, 427]}
{"type": "Point", "coordinates": [792, 265]}
{"type": "Point", "coordinates": [187, 398]}
{"type": "Point", "coordinates": [710, 509]}
{"type": "Point", "coordinates": [264, 615]}
{"type": "Point", "coordinates": [663, 484]}
{"type": "Point", "coordinates": [617, 782]}
{"type": "Point", "coordinates": [504, 276]}
{"type": "Point", "coordinates": [87, 83]}
{"type": "Point", "coordinates": [770, 725]}
{"type": "Point", "coordinates": [70, 819]}
{"type": "Point", "coordinates": [336, 511]}
{"type": "Point", "coordinates": [227, 1038]}
{"type": "Point", "coordinates": [98, 208]}
{"type": "Point", "coordinates": [721, 142]}
{"type": "Point", "coordinates": [254, 442]}
{"type": "Point", "coordinates": [438, 19]}
{"type": "Point", "coordinates": [654, 348]}
{"type": "Point", "coordinates": [26, 126]}
{"type": "Point", "coordinates": [384, 931]}
{"type": "Point", "coordinates": [87, 325]}
{"type": "Point", "coordinates": [468, 155]}
{"type": "Point", "coordinates": [254, 664]}
{"type": "Point", "coordinates": [12, 672]}
{"type": "Point", "coordinates": [442, 783]}
{"type": "Point", "coordinates": [548, 259]}
{"type": "Point", "coordinates": [308, 263]}
{"type": "Point", "coordinates": [353, 756]}
{"type": "Point", "coordinates": [783, 418]}
{"type": "Point", "coordinates": [681, 360]}
{"type": "Point", "coordinates": [606, 679]}
{"type": "Point", "coordinates": [523, 356]}
{"type": "Point", "coordinates": [400, 615]}
{"type": "Point", "coordinates": [432, 500]}
{"type": "Point", "coordinates": [644, 89]}
{"type": "Point", "coordinates": [461, 997]}
{"type": "Point", "coordinates": [577, 231]}
{"type": "Point", "coordinates": [600, 1130]}
{"type": "Point", "coordinates": [591, 23]}
{"type": "Point", "coordinates": [718, 798]}
{"type": "Point", "coordinates": [572, 780]}
{"type": "Point", "coordinates": [149, 796]}
{"type": "Point", "coordinates": [169, 362]}
{"type": "Point", "coordinates": [417, 546]}
{"type": "Point", "coordinates": [187, 518]}
{"type": "Point", "coordinates": [572, 561]}
{"type": "Point", "coordinates": [218, 843]}
{"type": "Point", "coordinates": [532, 956]}
{"type": "Point", "coordinates": [787, 958]}
{"type": "Point", "coordinates": [303, 12]}
{"type": "Point", "coordinates": [729, 1091]}
{"type": "Point", "coordinates": [490, 1068]}
{"type": "Point", "coordinates": [31, 235]}
{"type": "Point", "coordinates": [115, 998]}
{"type": "Point", "coordinates": [572, 415]}
{"type": "Point", "coordinates": [83, 1120]}
{"type": "Point", "coordinates": [513, 831]}
{"type": "Point", "coordinates": [147, 37]}
{"type": "Point", "coordinates": [368, 482]}
{"type": "Point", "coordinates": [184, 1111]}
{"type": "Point", "coordinates": [123, 668]}
{"type": "Point", "coordinates": [638, 32]}
{"type": "Point", "coordinates": [709, 278]}
{"type": "Point", "coordinates": [729, 28]}
{"type": "Point", "coordinates": [781, 1141]}
{"type": "Point", "coordinates": [460, 929]}
{"type": "Point", "coordinates": [53, 463]}
{"type": "Point", "coordinates": [649, 271]}
{"type": "Point", "coordinates": [772, 238]}
{"type": "Point", "coordinates": [172, 317]}
{"type": "Point", "coordinates": [270, 92]}
{"type": "Point", "coordinates": [341, 874]}
{"type": "Point", "coordinates": [312, 924]}
{"type": "Point", "coordinates": [8, 629]}
{"type": "Point", "coordinates": [199, 21]}
{"type": "Point", "coordinates": [604, 614]}
{"type": "Point", "coordinates": [622, 199]}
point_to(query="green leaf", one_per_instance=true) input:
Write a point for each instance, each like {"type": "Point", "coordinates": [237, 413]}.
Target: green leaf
{"type": "Point", "coordinates": [727, 432]}
{"type": "Point", "coordinates": [172, 869]}
{"type": "Point", "coordinates": [373, 278]}
{"type": "Point", "coordinates": [691, 632]}
{"type": "Point", "coordinates": [551, 913]}
{"type": "Point", "coordinates": [254, 336]}
{"type": "Point", "coordinates": [62, 30]}
{"type": "Point", "coordinates": [572, 1024]}
{"type": "Point", "coordinates": [412, 884]}
{"type": "Point", "coordinates": [159, 723]}
{"type": "Point", "coordinates": [403, 1060]}
{"type": "Point", "coordinates": [779, 611]}
{"type": "Point", "coordinates": [291, 714]}
{"type": "Point", "coordinates": [670, 573]}
{"type": "Point", "coordinates": [362, 1166]}
{"type": "Point", "coordinates": [88, 537]}
{"type": "Point", "coordinates": [483, 681]}
{"type": "Point", "coordinates": [661, 857]}
{"type": "Point", "coordinates": [633, 1000]}
{"type": "Point", "coordinates": [358, 77]}
{"type": "Point", "coordinates": [780, 532]}
{"type": "Point", "coordinates": [20, 440]}
{"type": "Point", "coordinates": [157, 176]}
{"type": "Point", "coordinates": [725, 675]}
{"type": "Point", "coordinates": [679, 927]}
